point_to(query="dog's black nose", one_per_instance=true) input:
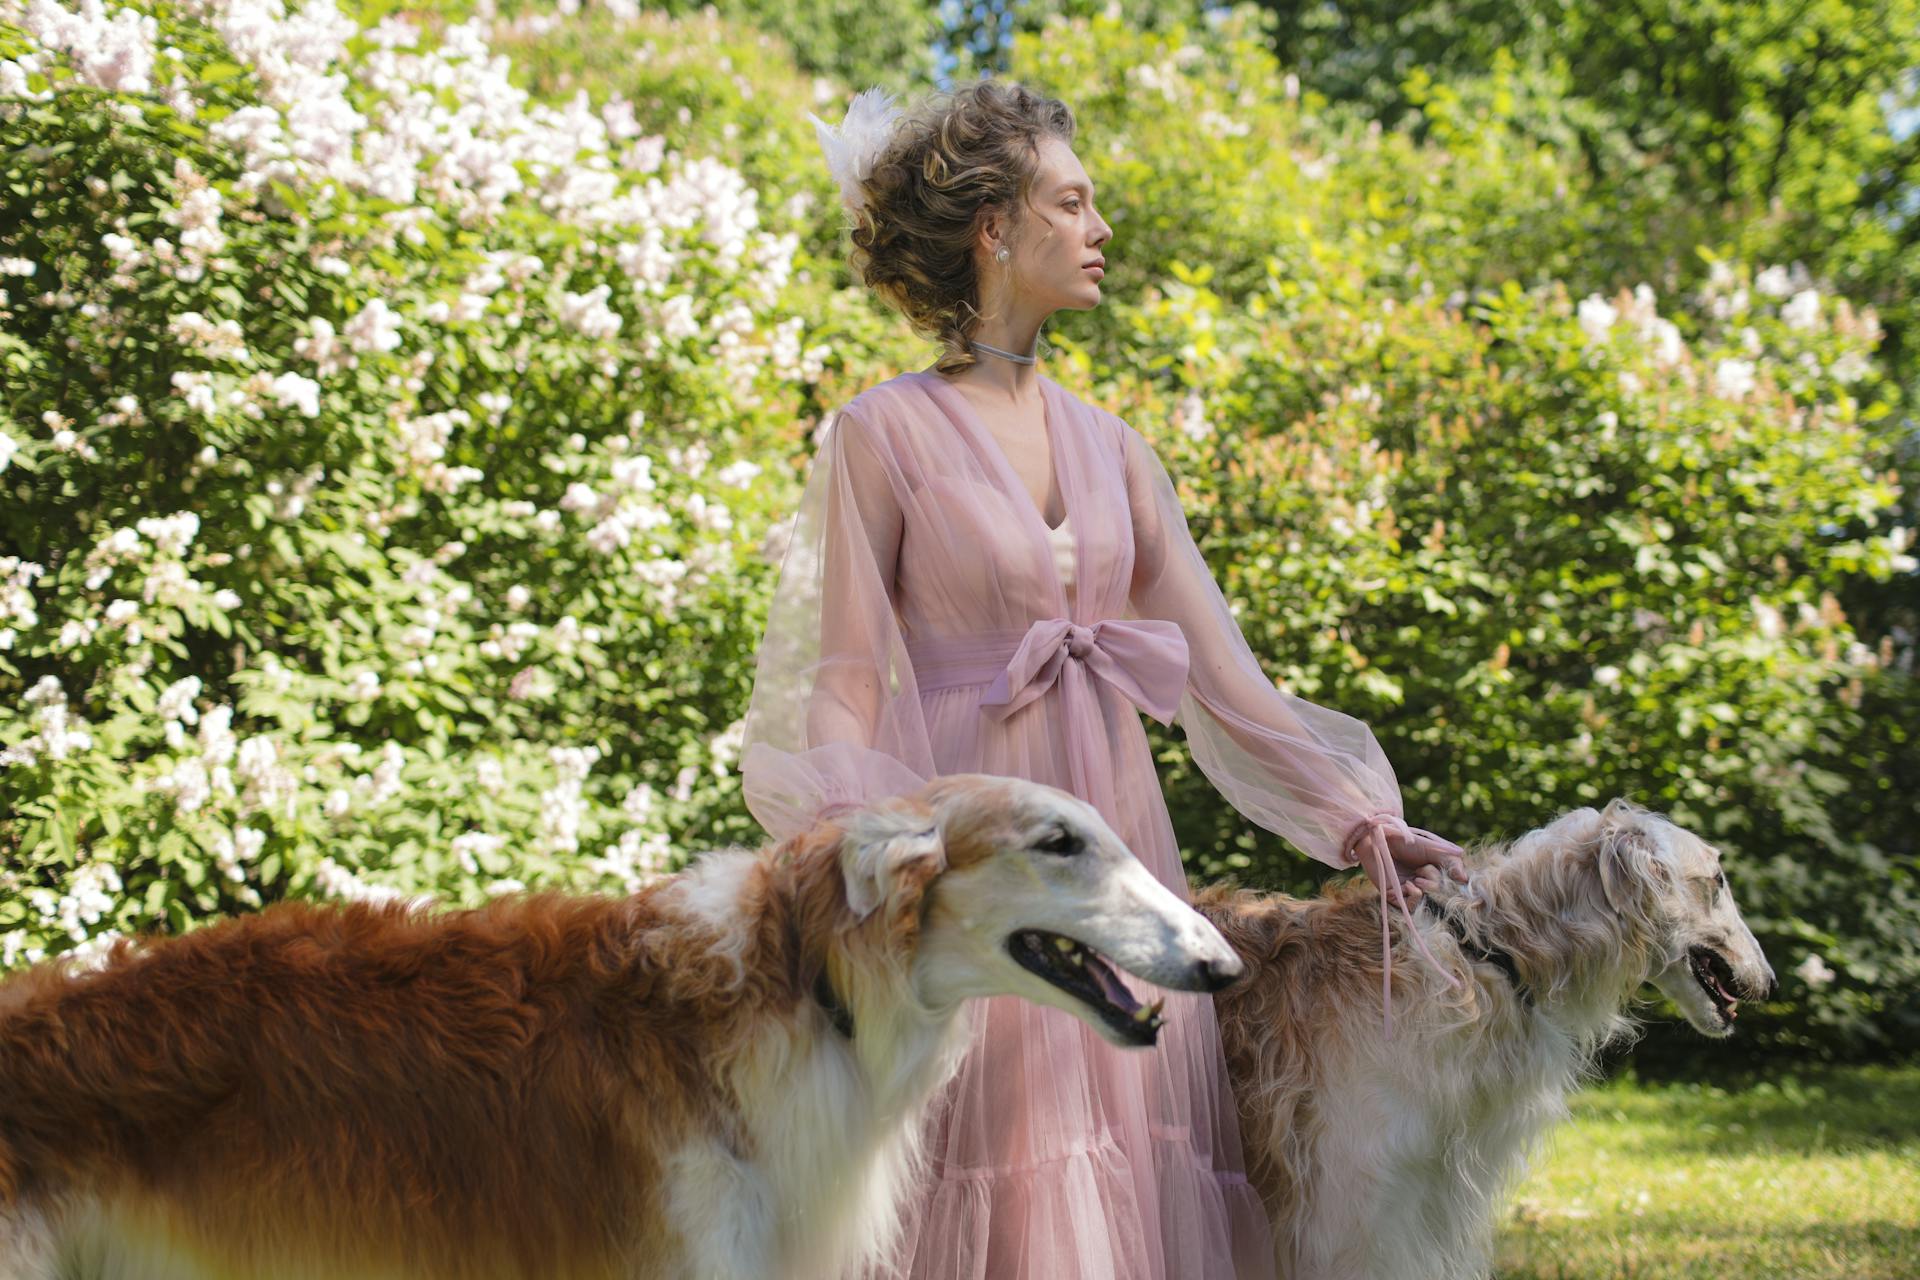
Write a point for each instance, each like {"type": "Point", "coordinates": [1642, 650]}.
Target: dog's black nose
{"type": "Point", "coordinates": [1216, 976]}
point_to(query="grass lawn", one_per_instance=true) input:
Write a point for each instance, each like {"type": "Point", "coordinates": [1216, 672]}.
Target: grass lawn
{"type": "Point", "coordinates": [1813, 1176]}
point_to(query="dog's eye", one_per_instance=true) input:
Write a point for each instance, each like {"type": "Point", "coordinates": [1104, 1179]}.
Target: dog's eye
{"type": "Point", "coordinates": [1062, 842]}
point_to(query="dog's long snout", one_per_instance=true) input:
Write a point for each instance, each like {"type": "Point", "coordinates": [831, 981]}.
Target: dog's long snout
{"type": "Point", "coordinates": [1151, 933]}
{"type": "Point", "coordinates": [1215, 964]}
{"type": "Point", "coordinates": [1218, 975]}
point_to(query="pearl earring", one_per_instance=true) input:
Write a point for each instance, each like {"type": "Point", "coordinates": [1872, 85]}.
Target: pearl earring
{"type": "Point", "coordinates": [1002, 255]}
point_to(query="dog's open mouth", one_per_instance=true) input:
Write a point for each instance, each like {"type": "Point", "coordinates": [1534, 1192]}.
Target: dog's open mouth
{"type": "Point", "coordinates": [1084, 974]}
{"type": "Point", "coordinates": [1715, 976]}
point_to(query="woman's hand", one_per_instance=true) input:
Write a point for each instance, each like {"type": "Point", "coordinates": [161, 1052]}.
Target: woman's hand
{"type": "Point", "coordinates": [1403, 862]}
{"type": "Point", "coordinates": [1416, 859]}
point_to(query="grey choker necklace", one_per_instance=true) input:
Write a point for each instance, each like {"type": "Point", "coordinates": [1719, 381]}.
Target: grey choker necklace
{"type": "Point", "coordinates": [1004, 355]}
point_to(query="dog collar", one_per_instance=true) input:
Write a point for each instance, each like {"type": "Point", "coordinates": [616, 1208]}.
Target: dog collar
{"type": "Point", "coordinates": [1492, 955]}
{"type": "Point", "coordinates": [830, 1003]}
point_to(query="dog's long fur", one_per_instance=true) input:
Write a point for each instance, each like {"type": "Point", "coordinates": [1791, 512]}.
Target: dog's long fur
{"type": "Point", "coordinates": [1386, 1160]}
{"type": "Point", "coordinates": [549, 1086]}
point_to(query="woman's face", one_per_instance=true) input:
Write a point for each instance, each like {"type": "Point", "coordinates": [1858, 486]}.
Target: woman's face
{"type": "Point", "coordinates": [1059, 242]}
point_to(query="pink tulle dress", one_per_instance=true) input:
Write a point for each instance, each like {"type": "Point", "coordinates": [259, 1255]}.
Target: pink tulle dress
{"type": "Point", "coordinates": [928, 621]}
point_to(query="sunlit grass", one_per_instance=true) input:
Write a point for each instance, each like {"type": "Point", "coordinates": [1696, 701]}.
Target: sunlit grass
{"type": "Point", "coordinates": [1809, 1177]}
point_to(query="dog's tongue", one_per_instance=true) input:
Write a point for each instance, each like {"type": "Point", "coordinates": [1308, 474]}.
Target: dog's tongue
{"type": "Point", "coordinates": [1113, 984]}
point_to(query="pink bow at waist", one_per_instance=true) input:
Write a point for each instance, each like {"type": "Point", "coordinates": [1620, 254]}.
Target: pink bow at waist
{"type": "Point", "coordinates": [1144, 658]}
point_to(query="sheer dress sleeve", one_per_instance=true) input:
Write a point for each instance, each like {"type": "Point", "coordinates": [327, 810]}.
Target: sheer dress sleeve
{"type": "Point", "coordinates": [1302, 771]}
{"type": "Point", "coordinates": [835, 717]}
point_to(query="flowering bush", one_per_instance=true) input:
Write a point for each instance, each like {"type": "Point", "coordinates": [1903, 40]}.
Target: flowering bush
{"type": "Point", "coordinates": [373, 443]}
{"type": "Point", "coordinates": [385, 459]}
{"type": "Point", "coordinates": [1552, 548]}
{"type": "Point", "coordinates": [1554, 553]}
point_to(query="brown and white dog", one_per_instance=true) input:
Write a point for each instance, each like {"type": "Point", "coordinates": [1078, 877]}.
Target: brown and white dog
{"type": "Point", "coordinates": [722, 1075]}
{"type": "Point", "coordinates": [1386, 1160]}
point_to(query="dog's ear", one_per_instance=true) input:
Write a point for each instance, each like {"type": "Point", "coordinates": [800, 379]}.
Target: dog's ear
{"type": "Point", "coordinates": [1629, 857]}
{"type": "Point", "coordinates": [890, 852]}
{"type": "Point", "coordinates": [1576, 826]}
{"type": "Point", "coordinates": [1574, 829]}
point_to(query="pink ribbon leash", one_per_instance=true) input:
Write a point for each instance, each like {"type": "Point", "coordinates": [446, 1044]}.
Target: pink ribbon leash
{"type": "Point", "coordinates": [1370, 833]}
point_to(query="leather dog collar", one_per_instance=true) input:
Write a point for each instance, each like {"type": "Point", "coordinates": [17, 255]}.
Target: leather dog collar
{"type": "Point", "coordinates": [1492, 955]}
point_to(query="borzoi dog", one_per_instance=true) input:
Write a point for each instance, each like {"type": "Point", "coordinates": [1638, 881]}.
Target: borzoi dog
{"type": "Point", "coordinates": [1385, 1160]}
{"type": "Point", "coordinates": [722, 1075]}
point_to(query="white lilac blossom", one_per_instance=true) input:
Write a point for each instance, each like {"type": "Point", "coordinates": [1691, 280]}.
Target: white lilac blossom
{"type": "Point", "coordinates": [1814, 971]}
{"type": "Point", "coordinates": [1733, 378]}
{"type": "Point", "coordinates": [1190, 417]}
{"type": "Point", "coordinates": [90, 895]}
{"type": "Point", "coordinates": [473, 845]}
{"type": "Point", "coordinates": [1802, 311]}
{"type": "Point", "coordinates": [383, 784]}
{"type": "Point", "coordinates": [725, 746]}
{"type": "Point", "coordinates": [560, 807]}
{"type": "Point", "coordinates": [1778, 282]}
{"type": "Point", "coordinates": [232, 853]}
{"type": "Point", "coordinates": [1851, 366]}
{"type": "Point", "coordinates": [58, 734]}
{"type": "Point", "coordinates": [374, 329]}
{"type": "Point", "coordinates": [1596, 317]}
{"type": "Point", "coordinates": [91, 955]}
{"type": "Point", "coordinates": [589, 314]}
{"type": "Point", "coordinates": [292, 391]}
{"type": "Point", "coordinates": [635, 860]}
{"type": "Point", "coordinates": [170, 535]}
{"type": "Point", "coordinates": [114, 53]}
{"type": "Point", "coordinates": [17, 609]}
{"type": "Point", "coordinates": [336, 881]}
{"type": "Point", "coordinates": [216, 340]}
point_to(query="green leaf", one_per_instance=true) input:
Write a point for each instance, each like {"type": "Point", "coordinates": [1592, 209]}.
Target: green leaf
{"type": "Point", "coordinates": [288, 196]}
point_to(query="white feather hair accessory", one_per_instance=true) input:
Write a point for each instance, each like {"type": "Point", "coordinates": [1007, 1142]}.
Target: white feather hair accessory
{"type": "Point", "coordinates": [853, 148]}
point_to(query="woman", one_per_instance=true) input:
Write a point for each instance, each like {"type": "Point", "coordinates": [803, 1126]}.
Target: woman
{"type": "Point", "coordinates": [988, 574]}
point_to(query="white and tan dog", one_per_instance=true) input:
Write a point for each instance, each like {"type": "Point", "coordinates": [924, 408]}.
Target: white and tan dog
{"type": "Point", "coordinates": [1386, 1160]}
{"type": "Point", "coordinates": [721, 1076]}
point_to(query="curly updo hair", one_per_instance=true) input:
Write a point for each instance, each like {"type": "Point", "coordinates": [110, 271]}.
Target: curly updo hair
{"type": "Point", "coordinates": [949, 162]}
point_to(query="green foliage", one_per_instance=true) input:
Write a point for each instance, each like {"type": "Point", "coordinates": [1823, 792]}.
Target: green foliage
{"type": "Point", "coordinates": [1761, 129]}
{"type": "Point", "coordinates": [1552, 552]}
{"type": "Point", "coordinates": [707, 86]}
{"type": "Point", "coordinates": [1553, 556]}
{"type": "Point", "coordinates": [1739, 103]}
{"type": "Point", "coordinates": [457, 613]}
{"type": "Point", "coordinates": [358, 544]}
{"type": "Point", "coordinates": [857, 42]}
{"type": "Point", "coordinates": [1195, 163]}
